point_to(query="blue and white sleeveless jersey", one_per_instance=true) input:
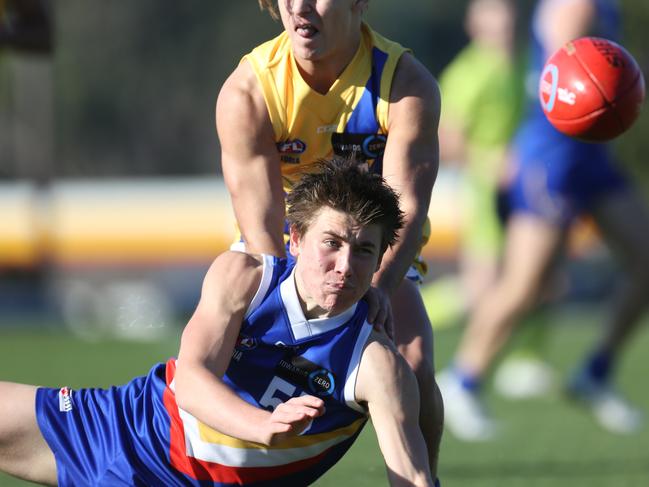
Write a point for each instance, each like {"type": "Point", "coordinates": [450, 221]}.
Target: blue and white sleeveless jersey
{"type": "Point", "coordinates": [136, 435]}
{"type": "Point", "coordinates": [350, 119]}
{"type": "Point", "coordinates": [280, 354]}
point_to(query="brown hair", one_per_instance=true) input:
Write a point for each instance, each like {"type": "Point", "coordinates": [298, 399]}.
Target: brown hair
{"type": "Point", "coordinates": [271, 6]}
{"type": "Point", "coordinates": [346, 186]}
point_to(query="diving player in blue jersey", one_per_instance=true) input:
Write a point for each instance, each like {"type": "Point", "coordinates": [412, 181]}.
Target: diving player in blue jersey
{"type": "Point", "coordinates": [557, 178]}
{"type": "Point", "coordinates": [330, 84]}
{"type": "Point", "coordinates": [278, 370]}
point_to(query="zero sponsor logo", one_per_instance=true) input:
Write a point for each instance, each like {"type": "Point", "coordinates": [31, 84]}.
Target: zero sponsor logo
{"type": "Point", "coordinates": [309, 376]}
{"type": "Point", "coordinates": [374, 146]}
{"type": "Point", "coordinates": [321, 382]}
{"type": "Point", "coordinates": [65, 400]}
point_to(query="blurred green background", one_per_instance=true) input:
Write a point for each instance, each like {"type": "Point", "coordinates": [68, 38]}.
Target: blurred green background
{"type": "Point", "coordinates": [545, 442]}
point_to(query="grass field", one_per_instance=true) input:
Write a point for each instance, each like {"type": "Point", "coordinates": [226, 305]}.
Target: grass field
{"type": "Point", "coordinates": [544, 443]}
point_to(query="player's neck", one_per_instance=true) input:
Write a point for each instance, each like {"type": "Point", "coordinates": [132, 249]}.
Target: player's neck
{"type": "Point", "coordinates": [321, 74]}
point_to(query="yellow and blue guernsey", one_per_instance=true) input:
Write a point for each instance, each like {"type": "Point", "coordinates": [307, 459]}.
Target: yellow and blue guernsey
{"type": "Point", "coordinates": [350, 119]}
{"type": "Point", "coordinates": [137, 435]}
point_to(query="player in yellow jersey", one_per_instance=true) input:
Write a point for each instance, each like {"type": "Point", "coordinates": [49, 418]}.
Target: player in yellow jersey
{"type": "Point", "coordinates": [330, 84]}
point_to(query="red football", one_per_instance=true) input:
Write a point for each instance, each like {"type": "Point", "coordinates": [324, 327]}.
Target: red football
{"type": "Point", "coordinates": [591, 89]}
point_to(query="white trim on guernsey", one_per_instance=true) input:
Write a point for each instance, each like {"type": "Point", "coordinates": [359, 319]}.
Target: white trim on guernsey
{"type": "Point", "coordinates": [266, 277]}
{"type": "Point", "coordinates": [239, 246]}
{"type": "Point", "coordinates": [301, 327]}
{"type": "Point", "coordinates": [354, 364]}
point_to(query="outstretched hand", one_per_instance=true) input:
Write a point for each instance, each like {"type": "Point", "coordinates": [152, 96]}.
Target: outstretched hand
{"type": "Point", "coordinates": [292, 417]}
{"type": "Point", "coordinates": [379, 312]}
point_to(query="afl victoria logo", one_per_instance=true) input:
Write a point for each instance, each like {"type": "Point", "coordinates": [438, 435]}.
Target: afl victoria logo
{"type": "Point", "coordinates": [295, 146]}
{"type": "Point", "coordinates": [548, 87]}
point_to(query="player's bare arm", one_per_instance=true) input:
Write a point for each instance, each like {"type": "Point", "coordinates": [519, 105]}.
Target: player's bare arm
{"type": "Point", "coordinates": [389, 388]}
{"type": "Point", "coordinates": [250, 162]}
{"type": "Point", "coordinates": [206, 349]}
{"type": "Point", "coordinates": [410, 161]}
{"type": "Point", "coordinates": [564, 21]}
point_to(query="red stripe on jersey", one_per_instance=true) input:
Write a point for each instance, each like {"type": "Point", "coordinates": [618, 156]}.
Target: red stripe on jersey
{"type": "Point", "coordinates": [203, 470]}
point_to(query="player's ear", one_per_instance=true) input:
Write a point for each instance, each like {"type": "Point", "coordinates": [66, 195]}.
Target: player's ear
{"type": "Point", "coordinates": [294, 241]}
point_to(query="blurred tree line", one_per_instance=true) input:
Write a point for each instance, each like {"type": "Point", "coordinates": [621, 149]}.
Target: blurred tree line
{"type": "Point", "coordinates": [135, 83]}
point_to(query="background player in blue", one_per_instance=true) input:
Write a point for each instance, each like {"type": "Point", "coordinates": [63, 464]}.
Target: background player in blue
{"type": "Point", "coordinates": [557, 178]}
{"type": "Point", "coordinates": [293, 327]}
{"type": "Point", "coordinates": [326, 39]}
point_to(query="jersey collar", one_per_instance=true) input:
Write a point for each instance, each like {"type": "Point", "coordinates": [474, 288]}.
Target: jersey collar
{"type": "Point", "coordinates": [302, 327]}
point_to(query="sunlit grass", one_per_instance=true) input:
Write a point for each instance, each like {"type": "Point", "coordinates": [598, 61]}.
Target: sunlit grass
{"type": "Point", "coordinates": [546, 442]}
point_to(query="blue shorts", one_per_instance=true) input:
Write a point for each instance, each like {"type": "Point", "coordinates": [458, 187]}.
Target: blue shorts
{"type": "Point", "coordinates": [557, 177]}
{"type": "Point", "coordinates": [110, 437]}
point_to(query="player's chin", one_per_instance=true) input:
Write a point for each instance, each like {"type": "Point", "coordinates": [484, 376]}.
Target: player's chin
{"type": "Point", "coordinates": [309, 51]}
{"type": "Point", "coordinates": [340, 300]}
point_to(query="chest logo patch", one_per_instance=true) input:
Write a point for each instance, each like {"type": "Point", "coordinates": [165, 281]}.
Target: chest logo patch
{"type": "Point", "coordinates": [246, 343]}
{"type": "Point", "coordinates": [295, 146]}
{"type": "Point", "coordinates": [359, 146]}
{"type": "Point", "coordinates": [311, 377]}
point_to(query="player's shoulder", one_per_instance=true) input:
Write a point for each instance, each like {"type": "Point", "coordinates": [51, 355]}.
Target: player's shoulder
{"type": "Point", "coordinates": [241, 82]}
{"type": "Point", "coordinates": [408, 67]}
{"type": "Point", "coordinates": [236, 262]}
{"type": "Point", "coordinates": [244, 80]}
{"type": "Point", "coordinates": [269, 53]}
{"type": "Point", "coordinates": [238, 273]}
{"type": "Point", "coordinates": [245, 77]}
{"type": "Point", "coordinates": [240, 105]}
{"type": "Point", "coordinates": [382, 43]}
{"type": "Point", "coordinates": [414, 95]}
{"type": "Point", "coordinates": [380, 354]}
{"type": "Point", "coordinates": [413, 81]}
{"type": "Point", "coordinates": [381, 363]}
